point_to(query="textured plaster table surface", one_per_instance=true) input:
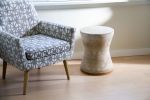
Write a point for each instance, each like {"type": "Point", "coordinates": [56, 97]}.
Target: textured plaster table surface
{"type": "Point", "coordinates": [96, 42]}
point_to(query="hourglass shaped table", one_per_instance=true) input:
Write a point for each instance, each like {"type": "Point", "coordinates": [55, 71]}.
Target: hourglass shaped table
{"type": "Point", "coordinates": [96, 42]}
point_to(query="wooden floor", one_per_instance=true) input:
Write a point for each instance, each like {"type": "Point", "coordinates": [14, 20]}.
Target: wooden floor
{"type": "Point", "coordinates": [130, 80]}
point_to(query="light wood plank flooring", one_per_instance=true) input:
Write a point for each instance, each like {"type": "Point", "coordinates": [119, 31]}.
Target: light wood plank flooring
{"type": "Point", "coordinates": [130, 80]}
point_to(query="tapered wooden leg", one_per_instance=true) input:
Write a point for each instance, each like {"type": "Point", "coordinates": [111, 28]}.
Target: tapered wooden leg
{"type": "Point", "coordinates": [66, 69]}
{"type": "Point", "coordinates": [25, 83]}
{"type": "Point", "coordinates": [4, 69]}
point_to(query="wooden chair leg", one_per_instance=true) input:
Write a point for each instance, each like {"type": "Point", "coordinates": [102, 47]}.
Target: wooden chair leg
{"type": "Point", "coordinates": [66, 69]}
{"type": "Point", "coordinates": [25, 83]}
{"type": "Point", "coordinates": [4, 69]}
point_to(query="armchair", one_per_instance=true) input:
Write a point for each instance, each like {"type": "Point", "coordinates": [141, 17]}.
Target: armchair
{"type": "Point", "coordinates": [29, 43]}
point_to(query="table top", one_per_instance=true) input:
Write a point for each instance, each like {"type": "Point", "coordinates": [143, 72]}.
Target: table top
{"type": "Point", "coordinates": [97, 30]}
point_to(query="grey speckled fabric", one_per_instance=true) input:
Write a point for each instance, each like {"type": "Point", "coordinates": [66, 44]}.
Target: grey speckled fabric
{"type": "Point", "coordinates": [27, 42]}
{"type": "Point", "coordinates": [38, 46]}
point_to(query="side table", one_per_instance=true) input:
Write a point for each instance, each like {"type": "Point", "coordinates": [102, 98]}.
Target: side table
{"type": "Point", "coordinates": [96, 42]}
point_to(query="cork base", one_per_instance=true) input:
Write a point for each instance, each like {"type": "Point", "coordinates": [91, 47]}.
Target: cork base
{"type": "Point", "coordinates": [104, 72]}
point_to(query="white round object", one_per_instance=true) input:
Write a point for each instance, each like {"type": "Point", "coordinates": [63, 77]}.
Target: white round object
{"type": "Point", "coordinates": [97, 30]}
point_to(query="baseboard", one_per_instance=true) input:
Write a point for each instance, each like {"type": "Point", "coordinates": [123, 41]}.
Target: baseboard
{"type": "Point", "coordinates": [130, 52]}
{"type": "Point", "coordinates": [120, 53]}
{"type": "Point", "coordinates": [77, 55]}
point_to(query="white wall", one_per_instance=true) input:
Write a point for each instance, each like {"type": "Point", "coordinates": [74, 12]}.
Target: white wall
{"type": "Point", "coordinates": [131, 24]}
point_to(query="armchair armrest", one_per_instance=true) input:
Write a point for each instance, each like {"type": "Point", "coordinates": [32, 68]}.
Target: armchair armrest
{"type": "Point", "coordinates": [57, 31]}
{"type": "Point", "coordinates": [10, 49]}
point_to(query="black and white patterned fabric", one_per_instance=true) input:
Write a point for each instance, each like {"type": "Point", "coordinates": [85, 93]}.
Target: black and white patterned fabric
{"type": "Point", "coordinates": [27, 42]}
{"type": "Point", "coordinates": [17, 16]}
{"type": "Point", "coordinates": [38, 46]}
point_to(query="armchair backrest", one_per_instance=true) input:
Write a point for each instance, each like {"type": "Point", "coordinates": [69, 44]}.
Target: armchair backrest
{"type": "Point", "coordinates": [17, 16]}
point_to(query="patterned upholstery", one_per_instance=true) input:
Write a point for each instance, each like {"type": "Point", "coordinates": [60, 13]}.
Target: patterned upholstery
{"type": "Point", "coordinates": [38, 46]}
{"type": "Point", "coordinates": [17, 13]}
{"type": "Point", "coordinates": [27, 42]}
{"type": "Point", "coordinates": [53, 30]}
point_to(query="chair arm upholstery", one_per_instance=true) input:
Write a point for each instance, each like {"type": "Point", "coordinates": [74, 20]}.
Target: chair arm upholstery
{"type": "Point", "coordinates": [10, 49]}
{"type": "Point", "coordinates": [57, 31]}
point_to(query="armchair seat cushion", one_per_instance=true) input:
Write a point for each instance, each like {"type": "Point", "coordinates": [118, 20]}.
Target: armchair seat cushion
{"type": "Point", "coordinates": [38, 46]}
